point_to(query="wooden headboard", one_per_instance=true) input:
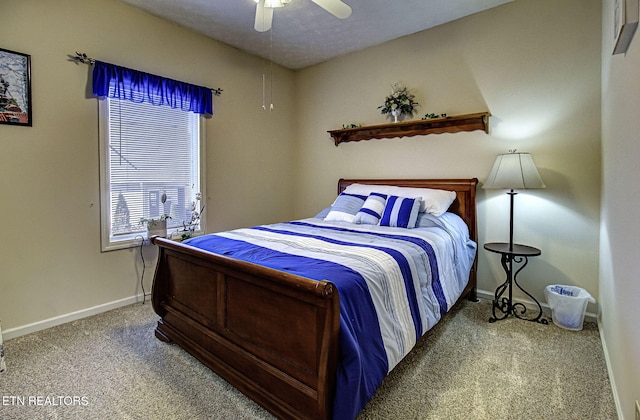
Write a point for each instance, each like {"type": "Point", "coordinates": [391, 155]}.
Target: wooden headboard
{"type": "Point", "coordinates": [464, 206]}
{"type": "Point", "coordinates": [465, 189]}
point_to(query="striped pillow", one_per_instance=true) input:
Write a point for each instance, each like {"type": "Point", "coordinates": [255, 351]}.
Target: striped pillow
{"type": "Point", "coordinates": [400, 212]}
{"type": "Point", "coordinates": [371, 211]}
{"type": "Point", "coordinates": [345, 207]}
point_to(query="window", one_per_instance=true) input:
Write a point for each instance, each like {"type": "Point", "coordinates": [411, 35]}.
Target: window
{"type": "Point", "coordinates": [147, 152]}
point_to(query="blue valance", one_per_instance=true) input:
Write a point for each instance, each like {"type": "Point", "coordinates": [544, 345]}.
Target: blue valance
{"type": "Point", "coordinates": [122, 83]}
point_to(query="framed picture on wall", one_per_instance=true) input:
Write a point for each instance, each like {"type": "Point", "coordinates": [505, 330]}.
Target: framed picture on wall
{"type": "Point", "coordinates": [15, 88]}
{"type": "Point", "coordinates": [625, 23]}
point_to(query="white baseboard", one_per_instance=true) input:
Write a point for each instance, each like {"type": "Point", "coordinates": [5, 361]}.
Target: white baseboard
{"type": "Point", "coordinates": [73, 316]}
{"type": "Point", "coordinates": [612, 379]}
{"type": "Point", "coordinates": [546, 310]}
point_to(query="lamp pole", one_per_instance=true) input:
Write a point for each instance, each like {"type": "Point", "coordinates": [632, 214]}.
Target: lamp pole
{"type": "Point", "coordinates": [511, 193]}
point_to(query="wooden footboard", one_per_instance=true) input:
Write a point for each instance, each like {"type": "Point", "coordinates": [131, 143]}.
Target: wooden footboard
{"type": "Point", "coordinates": [272, 335]}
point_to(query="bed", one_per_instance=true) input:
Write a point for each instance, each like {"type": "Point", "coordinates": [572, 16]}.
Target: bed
{"type": "Point", "coordinates": [290, 334]}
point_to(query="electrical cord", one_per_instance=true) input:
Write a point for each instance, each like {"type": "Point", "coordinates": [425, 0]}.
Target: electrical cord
{"type": "Point", "coordinates": [144, 266]}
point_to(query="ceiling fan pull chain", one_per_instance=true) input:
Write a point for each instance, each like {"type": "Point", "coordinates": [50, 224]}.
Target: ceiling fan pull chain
{"type": "Point", "coordinates": [271, 85]}
{"type": "Point", "coordinates": [271, 70]}
{"type": "Point", "coordinates": [264, 91]}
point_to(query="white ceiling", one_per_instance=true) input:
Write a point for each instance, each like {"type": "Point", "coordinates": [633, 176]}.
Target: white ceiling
{"type": "Point", "coordinates": [303, 34]}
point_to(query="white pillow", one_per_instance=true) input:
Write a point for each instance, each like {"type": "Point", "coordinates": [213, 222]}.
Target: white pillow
{"type": "Point", "coordinates": [434, 202]}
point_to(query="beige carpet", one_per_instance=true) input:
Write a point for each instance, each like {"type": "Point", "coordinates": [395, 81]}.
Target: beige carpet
{"type": "Point", "coordinates": [110, 366]}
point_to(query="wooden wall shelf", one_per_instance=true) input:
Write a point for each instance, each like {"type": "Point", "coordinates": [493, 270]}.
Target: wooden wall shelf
{"type": "Point", "coordinates": [455, 124]}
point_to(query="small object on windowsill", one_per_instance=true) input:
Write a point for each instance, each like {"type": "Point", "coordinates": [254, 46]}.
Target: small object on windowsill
{"type": "Point", "coordinates": [190, 229]}
{"type": "Point", "coordinates": [181, 235]}
{"type": "Point", "coordinates": [156, 226]}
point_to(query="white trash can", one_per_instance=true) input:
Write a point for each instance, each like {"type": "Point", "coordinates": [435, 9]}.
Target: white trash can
{"type": "Point", "coordinates": [568, 305]}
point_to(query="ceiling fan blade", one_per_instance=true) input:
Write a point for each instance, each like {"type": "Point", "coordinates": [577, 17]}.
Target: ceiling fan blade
{"type": "Point", "coordinates": [264, 17]}
{"type": "Point", "coordinates": [337, 8]}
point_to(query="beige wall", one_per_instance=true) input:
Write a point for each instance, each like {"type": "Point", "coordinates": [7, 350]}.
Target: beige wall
{"type": "Point", "coordinates": [620, 230]}
{"type": "Point", "coordinates": [535, 65]}
{"type": "Point", "coordinates": [51, 264]}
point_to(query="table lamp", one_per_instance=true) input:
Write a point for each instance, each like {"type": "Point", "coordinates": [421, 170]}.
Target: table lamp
{"type": "Point", "coordinates": [513, 171]}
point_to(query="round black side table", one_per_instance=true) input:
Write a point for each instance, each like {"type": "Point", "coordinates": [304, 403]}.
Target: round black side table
{"type": "Point", "coordinates": [504, 306]}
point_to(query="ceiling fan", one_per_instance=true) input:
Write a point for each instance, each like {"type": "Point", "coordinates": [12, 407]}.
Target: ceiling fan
{"type": "Point", "coordinates": [264, 11]}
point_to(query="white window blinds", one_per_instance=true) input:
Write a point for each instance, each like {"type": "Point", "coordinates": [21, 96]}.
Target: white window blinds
{"type": "Point", "coordinates": [148, 151]}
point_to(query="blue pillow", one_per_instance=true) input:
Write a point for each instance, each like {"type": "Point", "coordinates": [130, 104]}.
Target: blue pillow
{"type": "Point", "coordinates": [323, 213]}
{"type": "Point", "coordinates": [400, 212]}
{"type": "Point", "coordinates": [345, 207]}
{"type": "Point", "coordinates": [371, 211]}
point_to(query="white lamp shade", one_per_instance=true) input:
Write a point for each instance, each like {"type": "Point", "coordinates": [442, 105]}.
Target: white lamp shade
{"type": "Point", "coordinates": [514, 171]}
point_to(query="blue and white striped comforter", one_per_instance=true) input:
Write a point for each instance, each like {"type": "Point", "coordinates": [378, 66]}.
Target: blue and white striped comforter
{"type": "Point", "coordinates": [394, 285]}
